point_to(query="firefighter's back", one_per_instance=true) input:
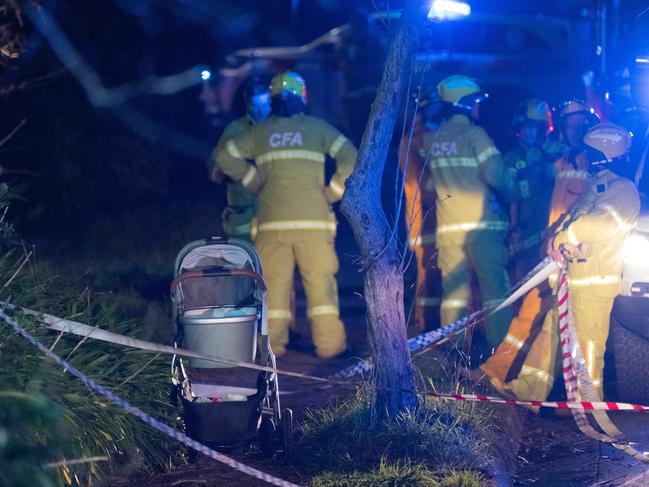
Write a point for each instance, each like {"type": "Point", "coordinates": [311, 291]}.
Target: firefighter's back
{"type": "Point", "coordinates": [290, 155]}
{"type": "Point", "coordinates": [465, 203]}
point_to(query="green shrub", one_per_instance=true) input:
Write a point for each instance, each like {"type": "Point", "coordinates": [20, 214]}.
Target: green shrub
{"type": "Point", "coordinates": [60, 418]}
{"type": "Point", "coordinates": [29, 435]}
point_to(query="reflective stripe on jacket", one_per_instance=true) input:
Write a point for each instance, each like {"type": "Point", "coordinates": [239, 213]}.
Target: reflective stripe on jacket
{"type": "Point", "coordinates": [289, 174]}
{"type": "Point", "coordinates": [602, 218]}
{"type": "Point", "coordinates": [465, 169]}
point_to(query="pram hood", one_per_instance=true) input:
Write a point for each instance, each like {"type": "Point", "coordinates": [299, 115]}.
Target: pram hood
{"type": "Point", "coordinates": [223, 291]}
{"type": "Point", "coordinates": [229, 253]}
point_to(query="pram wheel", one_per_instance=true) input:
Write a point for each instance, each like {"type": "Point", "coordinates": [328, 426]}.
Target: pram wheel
{"type": "Point", "coordinates": [267, 436]}
{"type": "Point", "coordinates": [287, 434]}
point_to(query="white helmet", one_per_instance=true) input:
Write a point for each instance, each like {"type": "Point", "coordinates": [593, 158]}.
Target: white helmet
{"type": "Point", "coordinates": [610, 139]}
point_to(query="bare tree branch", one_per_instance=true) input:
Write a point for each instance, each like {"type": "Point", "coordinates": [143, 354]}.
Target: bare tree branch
{"type": "Point", "coordinates": [30, 83]}
{"type": "Point", "coordinates": [97, 93]}
{"type": "Point", "coordinates": [116, 98]}
{"type": "Point", "coordinates": [14, 131]}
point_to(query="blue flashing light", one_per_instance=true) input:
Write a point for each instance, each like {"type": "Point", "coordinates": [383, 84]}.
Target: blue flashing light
{"type": "Point", "coordinates": [205, 75]}
{"type": "Point", "coordinates": [448, 9]}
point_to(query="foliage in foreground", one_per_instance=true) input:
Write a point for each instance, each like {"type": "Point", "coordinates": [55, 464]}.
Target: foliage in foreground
{"type": "Point", "coordinates": [22, 453]}
{"type": "Point", "coordinates": [72, 422]}
{"type": "Point", "coordinates": [438, 445]}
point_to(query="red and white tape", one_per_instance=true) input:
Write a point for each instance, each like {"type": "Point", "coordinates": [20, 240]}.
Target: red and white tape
{"type": "Point", "coordinates": [137, 412]}
{"type": "Point", "coordinates": [67, 326]}
{"type": "Point", "coordinates": [577, 379]}
{"type": "Point", "coordinates": [575, 405]}
{"type": "Point", "coordinates": [575, 395]}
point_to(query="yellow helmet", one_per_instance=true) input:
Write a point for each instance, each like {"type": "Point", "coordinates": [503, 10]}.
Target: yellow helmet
{"type": "Point", "coordinates": [288, 83]}
{"type": "Point", "coordinates": [537, 109]}
{"type": "Point", "coordinates": [610, 139]}
{"type": "Point", "coordinates": [453, 88]}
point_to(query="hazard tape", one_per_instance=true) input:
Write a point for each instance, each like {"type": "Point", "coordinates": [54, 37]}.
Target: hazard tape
{"type": "Point", "coordinates": [151, 421]}
{"type": "Point", "coordinates": [436, 337]}
{"type": "Point", "coordinates": [586, 406]}
{"type": "Point", "coordinates": [578, 382]}
{"type": "Point", "coordinates": [87, 331]}
{"type": "Point", "coordinates": [577, 408]}
{"type": "Point", "coordinates": [80, 329]}
{"type": "Point", "coordinates": [577, 378]}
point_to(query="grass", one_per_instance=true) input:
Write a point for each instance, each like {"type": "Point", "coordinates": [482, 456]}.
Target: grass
{"type": "Point", "coordinates": [399, 474]}
{"type": "Point", "coordinates": [91, 425]}
{"type": "Point", "coordinates": [46, 415]}
{"type": "Point", "coordinates": [440, 444]}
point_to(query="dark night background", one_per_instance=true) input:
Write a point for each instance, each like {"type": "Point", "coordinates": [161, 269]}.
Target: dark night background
{"type": "Point", "coordinates": [105, 203]}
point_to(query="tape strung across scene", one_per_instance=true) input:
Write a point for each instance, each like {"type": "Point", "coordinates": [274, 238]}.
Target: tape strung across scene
{"type": "Point", "coordinates": [166, 429]}
{"type": "Point", "coordinates": [577, 379]}
{"type": "Point", "coordinates": [578, 407]}
{"type": "Point", "coordinates": [79, 329]}
{"type": "Point", "coordinates": [533, 278]}
{"type": "Point", "coordinates": [588, 407]}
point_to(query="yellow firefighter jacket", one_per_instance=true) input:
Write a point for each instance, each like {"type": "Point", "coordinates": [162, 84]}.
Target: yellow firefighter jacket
{"type": "Point", "coordinates": [241, 202]}
{"type": "Point", "coordinates": [465, 168]}
{"type": "Point", "coordinates": [571, 180]}
{"type": "Point", "coordinates": [288, 175]}
{"type": "Point", "coordinates": [603, 218]}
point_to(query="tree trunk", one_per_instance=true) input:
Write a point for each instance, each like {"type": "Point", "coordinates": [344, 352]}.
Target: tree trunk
{"type": "Point", "coordinates": [393, 379]}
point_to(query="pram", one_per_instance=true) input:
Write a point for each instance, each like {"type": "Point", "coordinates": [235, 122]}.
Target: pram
{"type": "Point", "coordinates": [219, 306]}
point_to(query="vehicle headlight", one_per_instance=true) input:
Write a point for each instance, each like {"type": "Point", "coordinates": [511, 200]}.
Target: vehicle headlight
{"type": "Point", "coordinates": [636, 249]}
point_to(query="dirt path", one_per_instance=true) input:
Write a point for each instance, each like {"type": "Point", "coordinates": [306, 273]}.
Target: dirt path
{"type": "Point", "coordinates": [295, 393]}
{"type": "Point", "coordinates": [554, 453]}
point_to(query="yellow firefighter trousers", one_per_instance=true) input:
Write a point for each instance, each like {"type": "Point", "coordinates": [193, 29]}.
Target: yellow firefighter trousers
{"type": "Point", "coordinates": [505, 364]}
{"type": "Point", "coordinates": [591, 315]}
{"type": "Point", "coordinates": [317, 262]}
{"type": "Point", "coordinates": [487, 257]}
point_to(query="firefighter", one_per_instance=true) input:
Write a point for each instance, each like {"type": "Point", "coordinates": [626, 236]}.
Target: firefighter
{"type": "Point", "coordinates": [295, 223]}
{"type": "Point", "coordinates": [419, 213]}
{"type": "Point", "coordinates": [590, 238]}
{"type": "Point", "coordinates": [241, 205]}
{"type": "Point", "coordinates": [466, 171]}
{"type": "Point", "coordinates": [571, 179]}
{"type": "Point", "coordinates": [531, 165]}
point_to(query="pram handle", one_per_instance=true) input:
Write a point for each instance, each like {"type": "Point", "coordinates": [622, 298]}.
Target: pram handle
{"type": "Point", "coordinates": [217, 272]}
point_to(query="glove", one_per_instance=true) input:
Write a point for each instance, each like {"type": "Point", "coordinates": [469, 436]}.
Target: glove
{"type": "Point", "coordinates": [578, 253]}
